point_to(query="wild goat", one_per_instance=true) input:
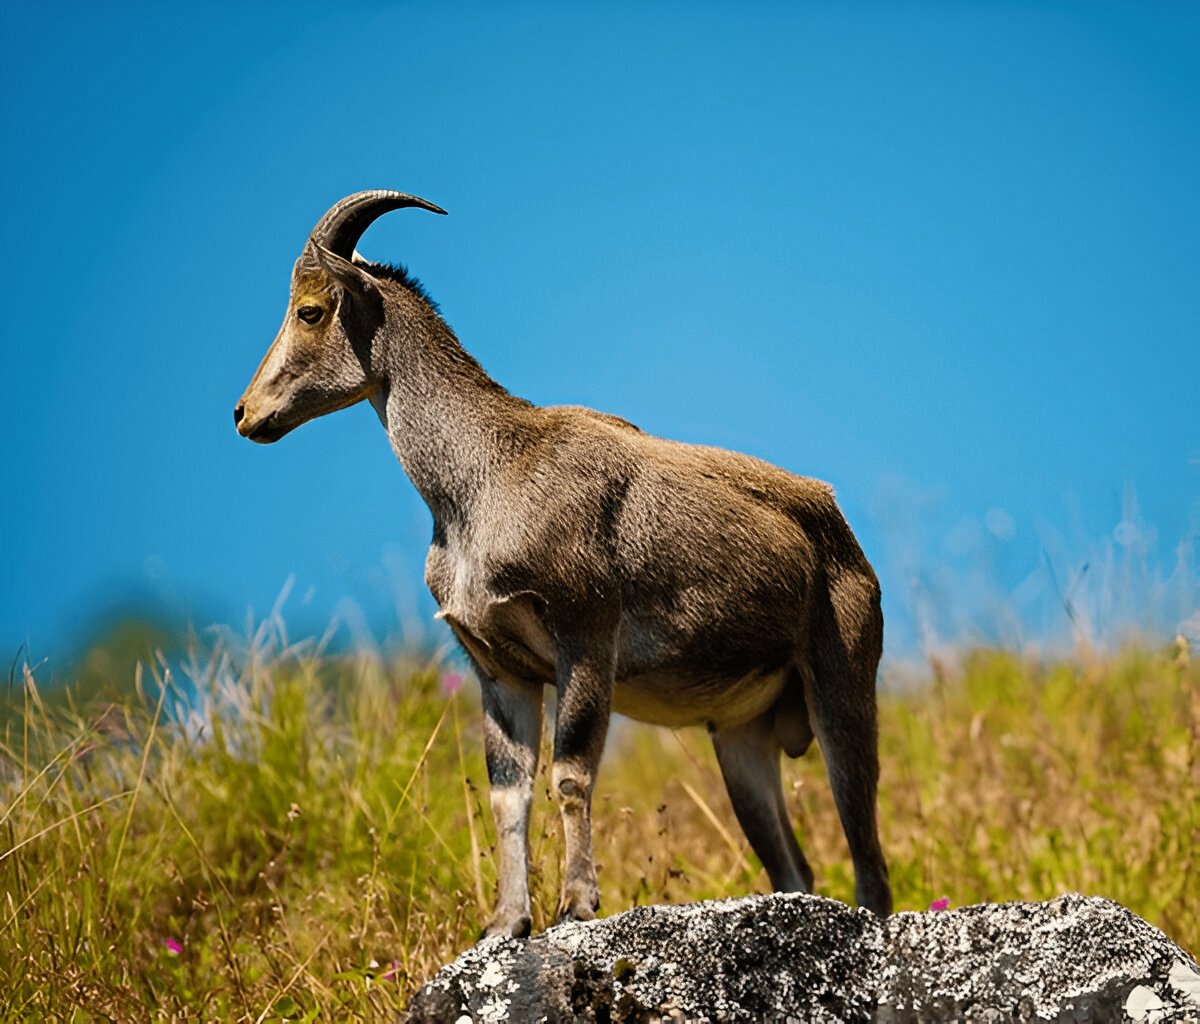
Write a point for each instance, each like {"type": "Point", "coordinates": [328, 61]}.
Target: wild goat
{"type": "Point", "coordinates": [677, 584]}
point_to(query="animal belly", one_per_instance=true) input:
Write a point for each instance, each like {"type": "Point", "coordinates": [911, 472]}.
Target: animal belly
{"type": "Point", "coordinates": [717, 703]}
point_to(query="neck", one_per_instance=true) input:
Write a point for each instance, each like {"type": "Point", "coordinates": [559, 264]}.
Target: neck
{"type": "Point", "coordinates": [447, 420]}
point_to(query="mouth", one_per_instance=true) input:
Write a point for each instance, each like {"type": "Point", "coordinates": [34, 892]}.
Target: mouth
{"type": "Point", "coordinates": [264, 431]}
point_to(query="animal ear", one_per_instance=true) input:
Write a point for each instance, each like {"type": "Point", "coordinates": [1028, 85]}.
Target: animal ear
{"type": "Point", "coordinates": [348, 275]}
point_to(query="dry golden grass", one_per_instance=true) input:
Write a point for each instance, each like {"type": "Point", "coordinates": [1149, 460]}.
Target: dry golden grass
{"type": "Point", "coordinates": [313, 841]}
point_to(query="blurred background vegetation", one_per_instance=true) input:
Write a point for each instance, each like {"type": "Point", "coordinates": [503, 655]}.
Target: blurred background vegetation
{"type": "Point", "coordinates": [242, 827]}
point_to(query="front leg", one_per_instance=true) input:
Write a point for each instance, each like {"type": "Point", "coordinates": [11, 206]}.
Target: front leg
{"type": "Point", "coordinates": [586, 667]}
{"type": "Point", "coordinates": [512, 731]}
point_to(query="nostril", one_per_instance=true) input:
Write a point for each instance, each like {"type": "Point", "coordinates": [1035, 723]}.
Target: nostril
{"type": "Point", "coordinates": [238, 413]}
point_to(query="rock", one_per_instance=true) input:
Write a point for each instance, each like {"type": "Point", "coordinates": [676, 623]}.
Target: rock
{"type": "Point", "coordinates": [1069, 959]}
{"type": "Point", "coordinates": [805, 958]}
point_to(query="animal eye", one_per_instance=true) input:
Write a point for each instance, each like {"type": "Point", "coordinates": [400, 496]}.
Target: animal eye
{"type": "Point", "coordinates": [310, 314]}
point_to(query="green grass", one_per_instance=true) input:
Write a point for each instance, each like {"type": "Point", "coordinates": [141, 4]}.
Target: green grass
{"type": "Point", "coordinates": [317, 842]}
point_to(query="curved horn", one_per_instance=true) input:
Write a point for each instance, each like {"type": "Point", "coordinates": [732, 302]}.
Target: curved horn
{"type": "Point", "coordinates": [345, 221]}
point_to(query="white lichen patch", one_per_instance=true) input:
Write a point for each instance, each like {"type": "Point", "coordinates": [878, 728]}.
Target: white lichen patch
{"type": "Point", "coordinates": [1143, 1004]}
{"type": "Point", "coordinates": [1184, 980]}
{"type": "Point", "coordinates": [492, 975]}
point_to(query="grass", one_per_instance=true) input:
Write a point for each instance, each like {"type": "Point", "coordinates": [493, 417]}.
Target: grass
{"type": "Point", "coordinates": [298, 836]}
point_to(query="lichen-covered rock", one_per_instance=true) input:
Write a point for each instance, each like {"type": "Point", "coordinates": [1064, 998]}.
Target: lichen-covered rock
{"type": "Point", "coordinates": [804, 958]}
{"type": "Point", "coordinates": [1069, 959]}
{"type": "Point", "coordinates": [756, 957]}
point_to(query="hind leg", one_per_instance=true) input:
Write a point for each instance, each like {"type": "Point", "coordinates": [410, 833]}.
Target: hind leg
{"type": "Point", "coordinates": [841, 699]}
{"type": "Point", "coordinates": [749, 760]}
{"type": "Point", "coordinates": [847, 738]}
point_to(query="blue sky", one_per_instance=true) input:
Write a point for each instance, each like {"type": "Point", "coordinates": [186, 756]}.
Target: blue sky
{"type": "Point", "coordinates": [942, 255]}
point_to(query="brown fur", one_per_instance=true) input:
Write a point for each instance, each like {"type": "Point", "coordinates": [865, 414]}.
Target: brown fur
{"type": "Point", "coordinates": [681, 584]}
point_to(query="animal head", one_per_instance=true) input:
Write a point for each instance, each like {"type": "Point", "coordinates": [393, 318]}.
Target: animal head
{"type": "Point", "coordinates": [320, 361]}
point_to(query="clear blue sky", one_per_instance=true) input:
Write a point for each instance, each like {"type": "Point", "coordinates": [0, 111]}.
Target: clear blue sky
{"type": "Point", "coordinates": [944, 256]}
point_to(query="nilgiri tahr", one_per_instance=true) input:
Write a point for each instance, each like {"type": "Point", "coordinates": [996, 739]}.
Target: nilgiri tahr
{"type": "Point", "coordinates": [674, 583]}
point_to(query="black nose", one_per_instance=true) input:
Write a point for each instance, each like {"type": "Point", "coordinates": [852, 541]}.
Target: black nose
{"type": "Point", "coordinates": [238, 413]}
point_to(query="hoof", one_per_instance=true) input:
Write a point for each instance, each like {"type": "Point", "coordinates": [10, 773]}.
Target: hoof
{"type": "Point", "coordinates": [576, 913]}
{"type": "Point", "coordinates": [514, 927]}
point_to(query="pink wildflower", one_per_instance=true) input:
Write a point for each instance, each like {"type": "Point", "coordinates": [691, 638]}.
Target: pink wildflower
{"type": "Point", "coordinates": [173, 946]}
{"type": "Point", "coordinates": [451, 683]}
{"type": "Point", "coordinates": [390, 973]}
{"type": "Point", "coordinates": [942, 904]}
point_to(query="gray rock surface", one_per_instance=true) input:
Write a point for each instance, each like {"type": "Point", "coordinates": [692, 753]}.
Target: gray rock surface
{"type": "Point", "coordinates": [793, 957]}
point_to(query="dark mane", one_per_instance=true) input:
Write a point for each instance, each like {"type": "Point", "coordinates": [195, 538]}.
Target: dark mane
{"type": "Point", "coordinates": [399, 273]}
